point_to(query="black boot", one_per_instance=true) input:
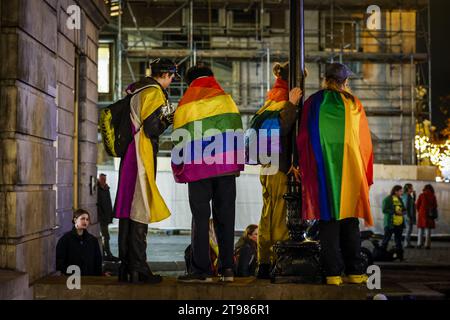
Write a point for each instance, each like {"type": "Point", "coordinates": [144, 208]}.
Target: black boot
{"type": "Point", "coordinates": [139, 269]}
{"type": "Point", "coordinates": [145, 277]}
{"type": "Point", "coordinates": [124, 234]}
{"type": "Point", "coordinates": [124, 274]}
{"type": "Point", "coordinates": [264, 270]}
{"type": "Point", "coordinates": [107, 254]}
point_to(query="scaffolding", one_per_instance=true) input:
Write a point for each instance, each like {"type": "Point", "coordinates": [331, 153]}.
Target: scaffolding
{"type": "Point", "coordinates": [240, 39]}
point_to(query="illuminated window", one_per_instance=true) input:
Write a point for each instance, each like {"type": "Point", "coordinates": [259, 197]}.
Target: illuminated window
{"type": "Point", "coordinates": [104, 68]}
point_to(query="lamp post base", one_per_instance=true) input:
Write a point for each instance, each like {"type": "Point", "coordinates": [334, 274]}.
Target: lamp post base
{"type": "Point", "coordinates": [297, 262]}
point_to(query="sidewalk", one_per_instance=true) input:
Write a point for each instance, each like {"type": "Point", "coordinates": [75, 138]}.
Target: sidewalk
{"type": "Point", "coordinates": [436, 257]}
{"type": "Point", "coordinates": [166, 253]}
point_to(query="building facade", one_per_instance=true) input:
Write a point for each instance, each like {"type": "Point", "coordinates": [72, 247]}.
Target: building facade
{"type": "Point", "coordinates": [48, 126]}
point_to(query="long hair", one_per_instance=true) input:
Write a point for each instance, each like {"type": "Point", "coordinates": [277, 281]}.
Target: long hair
{"type": "Point", "coordinates": [407, 187]}
{"type": "Point", "coordinates": [246, 235]}
{"type": "Point", "coordinates": [428, 187]}
{"type": "Point", "coordinates": [250, 229]}
{"type": "Point", "coordinates": [395, 189]}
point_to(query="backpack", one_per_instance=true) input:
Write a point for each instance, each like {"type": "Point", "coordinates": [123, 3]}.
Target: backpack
{"type": "Point", "coordinates": [115, 125]}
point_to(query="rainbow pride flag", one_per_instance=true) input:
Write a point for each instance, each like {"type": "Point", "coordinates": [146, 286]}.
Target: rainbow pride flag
{"type": "Point", "coordinates": [267, 119]}
{"type": "Point", "coordinates": [335, 158]}
{"type": "Point", "coordinates": [211, 128]}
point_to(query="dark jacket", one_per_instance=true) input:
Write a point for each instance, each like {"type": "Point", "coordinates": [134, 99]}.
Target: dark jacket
{"type": "Point", "coordinates": [410, 204]}
{"type": "Point", "coordinates": [104, 205]}
{"type": "Point", "coordinates": [388, 211]}
{"type": "Point", "coordinates": [287, 121]}
{"type": "Point", "coordinates": [246, 259]}
{"type": "Point", "coordinates": [83, 251]}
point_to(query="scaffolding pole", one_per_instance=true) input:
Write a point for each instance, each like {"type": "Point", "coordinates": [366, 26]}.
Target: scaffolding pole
{"type": "Point", "coordinates": [401, 90]}
{"type": "Point", "coordinates": [332, 30]}
{"type": "Point", "coordinates": [268, 68]}
{"type": "Point", "coordinates": [413, 120]}
{"type": "Point", "coordinates": [191, 32]}
{"type": "Point", "coordinates": [119, 55]}
{"type": "Point", "coordinates": [429, 61]}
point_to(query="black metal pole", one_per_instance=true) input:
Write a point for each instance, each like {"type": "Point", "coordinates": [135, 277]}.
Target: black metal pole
{"type": "Point", "coordinates": [296, 79]}
{"type": "Point", "coordinates": [297, 258]}
{"type": "Point", "coordinates": [297, 40]}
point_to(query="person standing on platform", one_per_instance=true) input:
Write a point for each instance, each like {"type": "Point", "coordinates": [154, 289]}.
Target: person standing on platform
{"type": "Point", "coordinates": [278, 114]}
{"type": "Point", "coordinates": [208, 161]}
{"type": "Point", "coordinates": [138, 200]}
{"type": "Point", "coordinates": [336, 168]}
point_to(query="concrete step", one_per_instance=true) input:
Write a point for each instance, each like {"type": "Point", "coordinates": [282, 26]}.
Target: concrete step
{"type": "Point", "coordinates": [108, 288]}
{"type": "Point", "coordinates": [14, 285]}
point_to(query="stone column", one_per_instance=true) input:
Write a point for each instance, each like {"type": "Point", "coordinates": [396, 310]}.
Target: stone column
{"type": "Point", "coordinates": [37, 95]}
{"type": "Point", "coordinates": [28, 131]}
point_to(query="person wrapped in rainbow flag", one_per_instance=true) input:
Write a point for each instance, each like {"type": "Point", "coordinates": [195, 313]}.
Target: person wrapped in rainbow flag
{"type": "Point", "coordinates": [138, 200]}
{"type": "Point", "coordinates": [336, 168]}
{"type": "Point", "coordinates": [208, 158]}
{"type": "Point", "coordinates": [272, 125]}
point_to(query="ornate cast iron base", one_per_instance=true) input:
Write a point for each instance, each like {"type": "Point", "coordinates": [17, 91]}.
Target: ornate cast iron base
{"type": "Point", "coordinates": [297, 258]}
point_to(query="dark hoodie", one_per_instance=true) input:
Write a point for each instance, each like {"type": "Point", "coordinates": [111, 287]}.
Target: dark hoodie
{"type": "Point", "coordinates": [83, 251]}
{"type": "Point", "coordinates": [246, 257]}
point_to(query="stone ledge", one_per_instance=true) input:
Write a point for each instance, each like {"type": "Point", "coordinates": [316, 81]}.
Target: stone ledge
{"type": "Point", "coordinates": [14, 285]}
{"type": "Point", "coordinates": [109, 288]}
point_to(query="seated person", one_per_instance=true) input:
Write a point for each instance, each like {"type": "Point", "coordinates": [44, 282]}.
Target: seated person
{"type": "Point", "coordinates": [79, 247]}
{"type": "Point", "coordinates": [246, 252]}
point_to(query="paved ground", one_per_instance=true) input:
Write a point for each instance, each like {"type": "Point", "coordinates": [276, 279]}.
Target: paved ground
{"type": "Point", "coordinates": [169, 248]}
{"type": "Point", "coordinates": [424, 274]}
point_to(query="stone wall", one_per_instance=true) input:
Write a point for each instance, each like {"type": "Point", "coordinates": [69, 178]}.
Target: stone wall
{"type": "Point", "coordinates": [37, 102]}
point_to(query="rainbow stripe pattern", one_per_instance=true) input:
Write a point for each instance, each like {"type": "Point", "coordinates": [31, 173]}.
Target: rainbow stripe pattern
{"type": "Point", "coordinates": [335, 158]}
{"type": "Point", "coordinates": [211, 118]}
{"type": "Point", "coordinates": [266, 119]}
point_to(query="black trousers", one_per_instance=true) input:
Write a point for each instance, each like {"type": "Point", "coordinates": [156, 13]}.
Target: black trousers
{"type": "Point", "coordinates": [340, 247]}
{"type": "Point", "coordinates": [133, 245]}
{"type": "Point", "coordinates": [105, 234]}
{"type": "Point", "coordinates": [221, 191]}
{"type": "Point", "coordinates": [397, 232]}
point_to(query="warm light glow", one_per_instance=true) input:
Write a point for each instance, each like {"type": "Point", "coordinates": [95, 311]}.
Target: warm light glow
{"type": "Point", "coordinates": [104, 56]}
{"type": "Point", "coordinates": [438, 154]}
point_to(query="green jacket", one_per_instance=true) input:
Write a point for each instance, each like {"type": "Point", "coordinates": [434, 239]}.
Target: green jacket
{"type": "Point", "coordinates": [388, 211]}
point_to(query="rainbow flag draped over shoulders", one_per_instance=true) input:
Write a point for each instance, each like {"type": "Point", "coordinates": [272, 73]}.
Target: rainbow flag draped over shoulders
{"type": "Point", "coordinates": [214, 145]}
{"type": "Point", "coordinates": [335, 158]}
{"type": "Point", "coordinates": [268, 118]}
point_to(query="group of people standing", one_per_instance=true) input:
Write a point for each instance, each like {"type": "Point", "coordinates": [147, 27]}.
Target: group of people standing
{"type": "Point", "coordinates": [401, 210]}
{"type": "Point", "coordinates": [335, 165]}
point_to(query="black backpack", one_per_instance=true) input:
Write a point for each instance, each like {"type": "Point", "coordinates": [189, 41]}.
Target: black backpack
{"type": "Point", "coordinates": [115, 125]}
